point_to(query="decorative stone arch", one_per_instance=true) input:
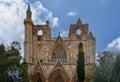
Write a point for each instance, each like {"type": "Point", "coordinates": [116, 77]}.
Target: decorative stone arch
{"type": "Point", "coordinates": [39, 28]}
{"type": "Point", "coordinates": [78, 27]}
{"type": "Point", "coordinates": [38, 72]}
{"type": "Point", "coordinates": [59, 72]}
{"type": "Point", "coordinates": [74, 28]}
{"type": "Point", "coordinates": [59, 44]}
{"type": "Point", "coordinates": [37, 77]}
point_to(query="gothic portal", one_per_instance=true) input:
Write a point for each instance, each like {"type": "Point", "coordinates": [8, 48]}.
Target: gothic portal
{"type": "Point", "coordinates": [54, 59]}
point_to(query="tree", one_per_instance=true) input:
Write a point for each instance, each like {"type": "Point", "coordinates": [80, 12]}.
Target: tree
{"type": "Point", "coordinates": [3, 65]}
{"type": "Point", "coordinates": [107, 68]}
{"type": "Point", "coordinates": [12, 66]}
{"type": "Point", "coordinates": [116, 70]}
{"type": "Point", "coordinates": [80, 64]}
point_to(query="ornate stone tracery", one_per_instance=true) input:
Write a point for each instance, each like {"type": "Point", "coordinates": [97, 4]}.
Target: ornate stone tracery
{"type": "Point", "coordinates": [59, 53]}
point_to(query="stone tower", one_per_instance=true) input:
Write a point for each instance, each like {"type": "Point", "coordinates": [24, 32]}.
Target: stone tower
{"type": "Point", "coordinates": [54, 59]}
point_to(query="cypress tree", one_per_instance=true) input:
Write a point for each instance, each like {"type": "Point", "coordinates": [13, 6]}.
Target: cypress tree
{"type": "Point", "coordinates": [80, 64]}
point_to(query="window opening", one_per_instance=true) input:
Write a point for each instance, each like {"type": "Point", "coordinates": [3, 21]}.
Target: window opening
{"type": "Point", "coordinates": [78, 32]}
{"type": "Point", "coordinates": [40, 32]}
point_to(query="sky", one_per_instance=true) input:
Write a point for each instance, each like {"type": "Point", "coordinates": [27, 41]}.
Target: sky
{"type": "Point", "coordinates": [103, 17]}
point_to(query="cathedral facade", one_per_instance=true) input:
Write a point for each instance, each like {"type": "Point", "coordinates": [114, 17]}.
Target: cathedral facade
{"type": "Point", "coordinates": [54, 59]}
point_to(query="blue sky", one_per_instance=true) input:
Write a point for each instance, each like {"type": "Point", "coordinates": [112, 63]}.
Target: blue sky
{"type": "Point", "coordinates": [103, 17]}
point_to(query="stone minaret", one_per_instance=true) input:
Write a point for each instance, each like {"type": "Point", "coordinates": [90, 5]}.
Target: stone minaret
{"type": "Point", "coordinates": [28, 24]}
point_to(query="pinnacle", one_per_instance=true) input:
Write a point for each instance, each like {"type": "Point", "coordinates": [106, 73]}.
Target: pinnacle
{"type": "Point", "coordinates": [28, 7]}
{"type": "Point", "coordinates": [79, 21]}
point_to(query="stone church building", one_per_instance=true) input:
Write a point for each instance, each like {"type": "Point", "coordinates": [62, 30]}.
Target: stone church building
{"type": "Point", "coordinates": [54, 59]}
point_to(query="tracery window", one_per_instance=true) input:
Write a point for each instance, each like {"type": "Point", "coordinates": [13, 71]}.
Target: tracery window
{"type": "Point", "coordinates": [59, 53]}
{"type": "Point", "coordinates": [54, 58]}
{"type": "Point", "coordinates": [58, 78]}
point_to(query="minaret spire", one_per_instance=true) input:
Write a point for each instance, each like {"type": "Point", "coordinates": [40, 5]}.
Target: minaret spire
{"type": "Point", "coordinates": [59, 34]}
{"type": "Point", "coordinates": [28, 12]}
{"type": "Point", "coordinates": [28, 7]}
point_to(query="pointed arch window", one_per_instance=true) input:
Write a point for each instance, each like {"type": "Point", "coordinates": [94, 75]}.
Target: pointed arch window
{"type": "Point", "coordinates": [54, 57]}
{"type": "Point", "coordinates": [58, 78]}
{"type": "Point", "coordinates": [59, 53]}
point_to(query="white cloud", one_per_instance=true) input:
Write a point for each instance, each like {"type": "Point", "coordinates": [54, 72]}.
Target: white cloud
{"type": "Point", "coordinates": [41, 14]}
{"type": "Point", "coordinates": [114, 45]}
{"type": "Point", "coordinates": [12, 15]}
{"type": "Point", "coordinates": [55, 22]}
{"type": "Point", "coordinates": [72, 13]}
{"type": "Point", "coordinates": [64, 34]}
{"type": "Point", "coordinates": [11, 20]}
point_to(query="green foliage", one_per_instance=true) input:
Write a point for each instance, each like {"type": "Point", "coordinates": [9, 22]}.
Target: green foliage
{"type": "Point", "coordinates": [24, 73]}
{"type": "Point", "coordinates": [108, 69]}
{"type": "Point", "coordinates": [81, 64]}
{"type": "Point", "coordinates": [116, 70]}
{"type": "Point", "coordinates": [12, 67]}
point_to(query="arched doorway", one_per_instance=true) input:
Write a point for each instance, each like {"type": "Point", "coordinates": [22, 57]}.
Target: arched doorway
{"type": "Point", "coordinates": [58, 75]}
{"type": "Point", "coordinates": [38, 77]}
{"type": "Point", "coordinates": [58, 78]}
{"type": "Point", "coordinates": [39, 80]}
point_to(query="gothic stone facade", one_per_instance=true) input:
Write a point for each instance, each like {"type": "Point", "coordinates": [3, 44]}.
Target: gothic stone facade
{"type": "Point", "coordinates": [54, 59]}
